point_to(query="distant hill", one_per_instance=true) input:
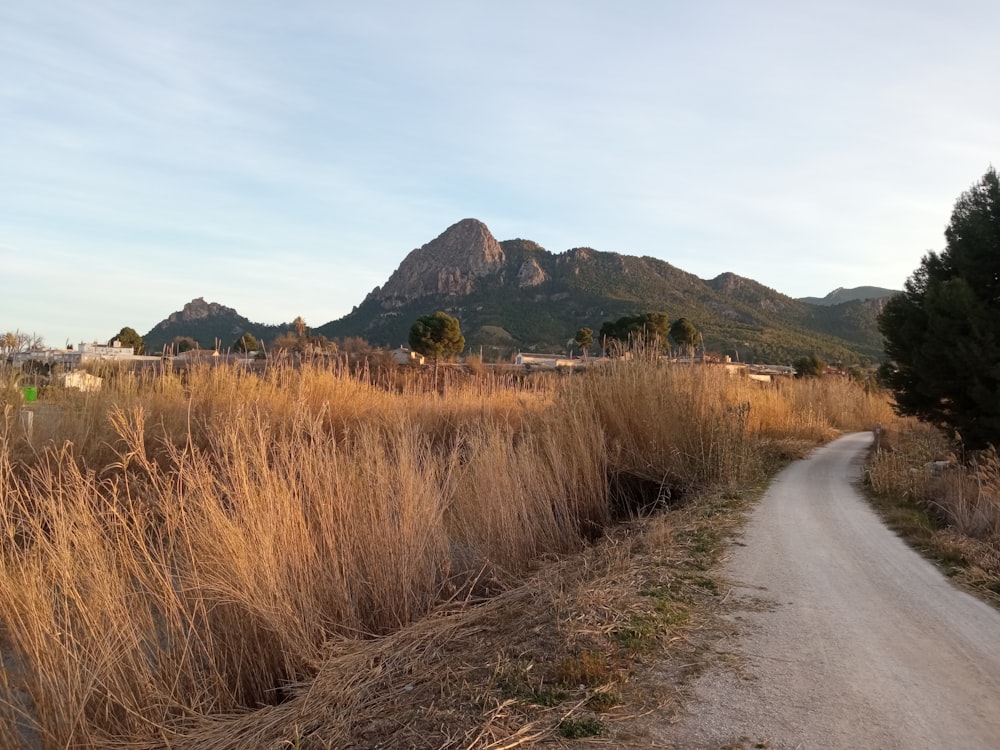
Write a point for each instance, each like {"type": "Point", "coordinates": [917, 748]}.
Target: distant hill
{"type": "Point", "coordinates": [516, 295]}
{"type": "Point", "coordinates": [206, 322]}
{"type": "Point", "coordinates": [839, 295]}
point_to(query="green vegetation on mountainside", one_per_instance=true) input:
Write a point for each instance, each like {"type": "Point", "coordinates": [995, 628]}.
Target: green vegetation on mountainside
{"type": "Point", "coordinates": [585, 288]}
{"type": "Point", "coordinates": [535, 300]}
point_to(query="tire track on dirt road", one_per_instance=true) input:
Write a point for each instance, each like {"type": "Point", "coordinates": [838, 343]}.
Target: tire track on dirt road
{"type": "Point", "coordinates": [849, 639]}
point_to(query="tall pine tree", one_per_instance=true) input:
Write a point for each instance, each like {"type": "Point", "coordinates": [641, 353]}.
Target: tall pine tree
{"type": "Point", "coordinates": [942, 333]}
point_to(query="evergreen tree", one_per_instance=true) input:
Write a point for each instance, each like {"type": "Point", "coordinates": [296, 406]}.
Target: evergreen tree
{"type": "Point", "coordinates": [809, 367]}
{"type": "Point", "coordinates": [942, 333]}
{"type": "Point", "coordinates": [685, 335]}
{"type": "Point", "coordinates": [645, 329]}
{"type": "Point", "coordinates": [130, 337]}
{"type": "Point", "coordinates": [246, 343]}
{"type": "Point", "coordinates": [184, 344]}
{"type": "Point", "coordinates": [584, 339]}
{"type": "Point", "coordinates": [436, 336]}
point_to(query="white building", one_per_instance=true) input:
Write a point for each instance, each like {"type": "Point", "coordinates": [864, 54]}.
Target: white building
{"type": "Point", "coordinates": [71, 357]}
{"type": "Point", "coordinates": [114, 350]}
{"type": "Point", "coordinates": [544, 361]}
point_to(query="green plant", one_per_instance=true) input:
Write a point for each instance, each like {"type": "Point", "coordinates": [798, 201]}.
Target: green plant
{"type": "Point", "coordinates": [685, 335]}
{"type": "Point", "coordinates": [575, 729]}
{"type": "Point", "coordinates": [809, 367]}
{"type": "Point", "coordinates": [640, 634]}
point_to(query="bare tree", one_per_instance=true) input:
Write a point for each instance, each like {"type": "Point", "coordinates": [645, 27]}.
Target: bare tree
{"type": "Point", "coordinates": [15, 342]}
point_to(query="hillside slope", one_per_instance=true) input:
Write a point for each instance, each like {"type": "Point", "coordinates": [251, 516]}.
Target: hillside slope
{"type": "Point", "coordinates": [516, 295]}
{"type": "Point", "coordinates": [206, 323]}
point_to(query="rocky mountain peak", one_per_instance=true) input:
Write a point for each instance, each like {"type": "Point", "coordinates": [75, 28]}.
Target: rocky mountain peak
{"type": "Point", "coordinates": [198, 309]}
{"type": "Point", "coordinates": [728, 282]}
{"type": "Point", "coordinates": [735, 287]}
{"type": "Point", "coordinates": [451, 264]}
{"type": "Point", "coordinates": [205, 322]}
{"type": "Point", "coordinates": [531, 273]}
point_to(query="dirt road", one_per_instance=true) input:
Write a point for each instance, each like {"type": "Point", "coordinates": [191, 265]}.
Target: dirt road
{"type": "Point", "coordinates": [848, 638]}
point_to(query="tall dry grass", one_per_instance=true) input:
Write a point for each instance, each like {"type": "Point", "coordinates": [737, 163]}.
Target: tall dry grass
{"type": "Point", "coordinates": [919, 464]}
{"type": "Point", "coordinates": [181, 545]}
{"type": "Point", "coordinates": [703, 425]}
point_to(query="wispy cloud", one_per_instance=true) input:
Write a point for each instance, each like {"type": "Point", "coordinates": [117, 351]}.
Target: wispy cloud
{"type": "Point", "coordinates": [285, 160]}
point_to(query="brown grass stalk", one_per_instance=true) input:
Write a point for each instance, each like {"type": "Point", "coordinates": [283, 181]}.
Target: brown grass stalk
{"type": "Point", "coordinates": [187, 545]}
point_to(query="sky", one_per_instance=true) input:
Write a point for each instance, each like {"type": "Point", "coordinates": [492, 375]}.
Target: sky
{"type": "Point", "coordinates": [282, 158]}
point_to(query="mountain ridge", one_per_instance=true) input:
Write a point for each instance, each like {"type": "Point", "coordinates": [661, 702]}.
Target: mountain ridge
{"type": "Point", "coordinates": [206, 323]}
{"type": "Point", "coordinates": [840, 294]}
{"type": "Point", "coordinates": [516, 295]}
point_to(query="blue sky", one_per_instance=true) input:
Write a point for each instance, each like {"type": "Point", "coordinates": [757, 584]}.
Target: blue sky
{"type": "Point", "coordinates": [283, 158]}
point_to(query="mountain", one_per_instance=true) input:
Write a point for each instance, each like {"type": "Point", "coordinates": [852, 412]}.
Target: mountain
{"type": "Point", "coordinates": [207, 322]}
{"type": "Point", "coordinates": [839, 295]}
{"type": "Point", "coordinates": [452, 265]}
{"type": "Point", "coordinates": [516, 295]}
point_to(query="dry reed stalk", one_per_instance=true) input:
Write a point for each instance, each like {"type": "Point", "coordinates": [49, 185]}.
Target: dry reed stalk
{"type": "Point", "coordinates": [201, 540]}
{"type": "Point", "coordinates": [685, 423]}
{"type": "Point", "coordinates": [441, 681]}
{"type": "Point", "coordinates": [276, 532]}
{"type": "Point", "coordinates": [969, 496]}
{"type": "Point", "coordinates": [947, 509]}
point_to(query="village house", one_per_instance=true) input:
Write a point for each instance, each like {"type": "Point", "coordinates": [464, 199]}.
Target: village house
{"type": "Point", "coordinates": [71, 357]}
{"type": "Point", "coordinates": [404, 356]}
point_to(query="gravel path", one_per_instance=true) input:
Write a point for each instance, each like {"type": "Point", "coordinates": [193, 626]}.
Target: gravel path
{"type": "Point", "coordinates": [849, 639]}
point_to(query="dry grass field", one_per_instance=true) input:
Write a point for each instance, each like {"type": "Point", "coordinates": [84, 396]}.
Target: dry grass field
{"type": "Point", "coordinates": [307, 558]}
{"type": "Point", "coordinates": [945, 505]}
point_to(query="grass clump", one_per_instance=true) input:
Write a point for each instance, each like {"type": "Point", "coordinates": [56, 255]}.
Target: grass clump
{"type": "Point", "coordinates": [579, 728]}
{"type": "Point", "coordinates": [589, 669]}
{"type": "Point", "coordinates": [947, 508]}
{"type": "Point", "coordinates": [519, 680]}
